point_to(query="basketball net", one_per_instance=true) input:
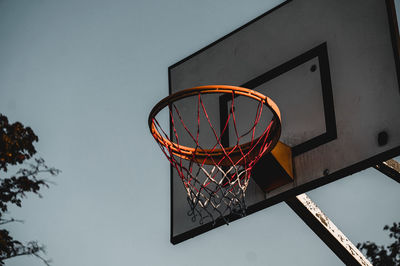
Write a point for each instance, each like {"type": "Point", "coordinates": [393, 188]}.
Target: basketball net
{"type": "Point", "coordinates": [215, 179]}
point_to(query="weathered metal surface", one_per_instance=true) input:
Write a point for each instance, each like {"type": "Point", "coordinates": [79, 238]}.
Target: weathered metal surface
{"type": "Point", "coordinates": [326, 230]}
{"type": "Point", "coordinates": [309, 77]}
{"type": "Point", "coordinates": [390, 168]}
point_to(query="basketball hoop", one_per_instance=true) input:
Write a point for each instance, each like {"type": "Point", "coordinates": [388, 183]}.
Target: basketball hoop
{"type": "Point", "coordinates": [215, 177]}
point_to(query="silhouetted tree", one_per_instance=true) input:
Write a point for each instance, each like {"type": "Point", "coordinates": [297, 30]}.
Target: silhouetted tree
{"type": "Point", "coordinates": [16, 147]}
{"type": "Point", "coordinates": [384, 256]}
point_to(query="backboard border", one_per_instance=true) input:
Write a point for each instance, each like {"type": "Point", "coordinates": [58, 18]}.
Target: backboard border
{"type": "Point", "coordinates": [394, 34]}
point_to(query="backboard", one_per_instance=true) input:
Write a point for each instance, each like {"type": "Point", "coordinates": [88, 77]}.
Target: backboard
{"type": "Point", "coordinates": [332, 67]}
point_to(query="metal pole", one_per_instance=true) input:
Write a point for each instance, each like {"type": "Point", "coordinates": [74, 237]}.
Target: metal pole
{"type": "Point", "coordinates": [390, 168]}
{"type": "Point", "coordinates": [326, 230]}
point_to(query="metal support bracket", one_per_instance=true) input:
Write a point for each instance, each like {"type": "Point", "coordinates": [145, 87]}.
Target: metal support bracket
{"type": "Point", "coordinates": [390, 168]}
{"type": "Point", "coordinates": [309, 212]}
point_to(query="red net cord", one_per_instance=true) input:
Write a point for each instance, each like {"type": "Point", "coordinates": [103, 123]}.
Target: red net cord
{"type": "Point", "coordinates": [215, 189]}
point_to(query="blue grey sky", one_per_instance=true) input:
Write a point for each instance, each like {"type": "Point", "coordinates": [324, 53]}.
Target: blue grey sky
{"type": "Point", "coordinates": [84, 74]}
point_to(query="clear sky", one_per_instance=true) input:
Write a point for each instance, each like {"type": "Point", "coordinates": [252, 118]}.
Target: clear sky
{"type": "Point", "coordinates": [84, 75]}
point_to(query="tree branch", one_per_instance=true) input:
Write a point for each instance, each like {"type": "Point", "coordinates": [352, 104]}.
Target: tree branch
{"type": "Point", "coordinates": [16, 147]}
{"type": "Point", "coordinates": [32, 248]}
{"type": "Point", "coordinates": [11, 220]}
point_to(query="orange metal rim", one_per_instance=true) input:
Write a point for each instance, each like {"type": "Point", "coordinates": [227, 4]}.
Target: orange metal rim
{"type": "Point", "coordinates": [189, 153]}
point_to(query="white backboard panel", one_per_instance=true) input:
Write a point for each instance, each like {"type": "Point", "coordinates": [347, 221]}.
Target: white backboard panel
{"type": "Point", "coordinates": [332, 66]}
